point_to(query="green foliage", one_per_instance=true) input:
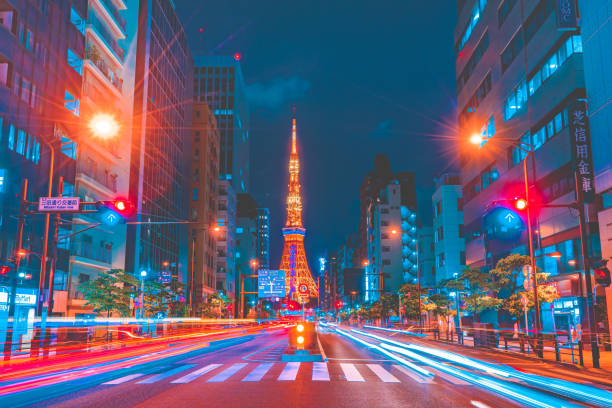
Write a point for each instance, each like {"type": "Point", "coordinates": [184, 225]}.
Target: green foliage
{"type": "Point", "coordinates": [478, 288]}
{"type": "Point", "coordinates": [514, 303]}
{"type": "Point", "coordinates": [110, 292]}
{"type": "Point", "coordinates": [215, 306]}
{"type": "Point", "coordinates": [410, 300]}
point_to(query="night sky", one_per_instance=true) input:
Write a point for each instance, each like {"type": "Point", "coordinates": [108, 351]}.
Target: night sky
{"type": "Point", "coordinates": [366, 77]}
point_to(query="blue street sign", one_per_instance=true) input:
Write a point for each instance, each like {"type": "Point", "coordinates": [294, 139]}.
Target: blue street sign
{"type": "Point", "coordinates": [110, 217]}
{"type": "Point", "coordinates": [271, 283]}
{"type": "Point", "coordinates": [165, 277]}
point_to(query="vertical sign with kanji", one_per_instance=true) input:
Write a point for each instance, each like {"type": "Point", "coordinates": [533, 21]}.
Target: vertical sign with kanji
{"type": "Point", "coordinates": [292, 266]}
{"type": "Point", "coordinates": [567, 15]}
{"type": "Point", "coordinates": [582, 158]}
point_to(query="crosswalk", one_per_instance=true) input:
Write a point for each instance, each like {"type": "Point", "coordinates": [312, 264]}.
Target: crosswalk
{"type": "Point", "coordinates": [267, 371]}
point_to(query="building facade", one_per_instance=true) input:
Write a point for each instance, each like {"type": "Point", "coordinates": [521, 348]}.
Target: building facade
{"type": "Point", "coordinates": [426, 262]}
{"type": "Point", "coordinates": [449, 244]}
{"type": "Point", "coordinates": [161, 144]}
{"type": "Point", "coordinates": [204, 175]}
{"type": "Point", "coordinates": [596, 26]}
{"type": "Point", "coordinates": [35, 74]}
{"type": "Point", "coordinates": [226, 242]}
{"type": "Point", "coordinates": [263, 237]}
{"type": "Point", "coordinates": [246, 250]}
{"type": "Point", "coordinates": [391, 239]}
{"type": "Point", "coordinates": [102, 165]}
{"type": "Point", "coordinates": [520, 74]}
{"type": "Point", "coordinates": [219, 82]}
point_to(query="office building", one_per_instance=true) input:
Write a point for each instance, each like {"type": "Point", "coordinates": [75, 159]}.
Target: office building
{"type": "Point", "coordinates": [246, 250]}
{"type": "Point", "coordinates": [35, 75]}
{"type": "Point", "coordinates": [391, 238]}
{"type": "Point", "coordinates": [520, 82]}
{"type": "Point", "coordinates": [102, 165]}
{"type": "Point", "coordinates": [263, 237]}
{"type": "Point", "coordinates": [203, 203]}
{"type": "Point", "coordinates": [426, 261]}
{"type": "Point", "coordinates": [226, 242]}
{"type": "Point", "coordinates": [596, 27]}
{"type": "Point", "coordinates": [161, 143]}
{"type": "Point", "coordinates": [218, 81]}
{"type": "Point", "coordinates": [449, 244]}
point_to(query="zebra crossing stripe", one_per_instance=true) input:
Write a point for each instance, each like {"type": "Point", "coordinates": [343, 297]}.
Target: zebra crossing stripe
{"type": "Point", "coordinates": [319, 372]}
{"type": "Point", "coordinates": [351, 373]}
{"type": "Point", "coordinates": [224, 375]}
{"type": "Point", "coordinates": [383, 374]}
{"type": "Point", "coordinates": [195, 374]}
{"type": "Point", "coordinates": [258, 372]}
{"type": "Point", "coordinates": [289, 372]}
{"type": "Point", "coordinates": [123, 379]}
{"type": "Point", "coordinates": [155, 378]}
{"type": "Point", "coordinates": [416, 377]}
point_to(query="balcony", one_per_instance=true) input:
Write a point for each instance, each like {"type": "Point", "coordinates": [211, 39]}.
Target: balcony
{"type": "Point", "coordinates": [88, 250]}
{"type": "Point", "coordinates": [105, 38]}
{"type": "Point", "coordinates": [100, 176]}
{"type": "Point", "coordinates": [112, 10]}
{"type": "Point", "coordinates": [94, 55]}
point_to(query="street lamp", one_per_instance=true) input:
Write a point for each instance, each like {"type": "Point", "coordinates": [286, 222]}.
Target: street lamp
{"type": "Point", "coordinates": [103, 126]}
{"type": "Point", "coordinates": [191, 285]}
{"type": "Point", "coordinates": [523, 204]}
{"type": "Point", "coordinates": [143, 275]}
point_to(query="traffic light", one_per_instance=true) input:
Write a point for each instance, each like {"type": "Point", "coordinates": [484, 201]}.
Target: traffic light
{"type": "Point", "coordinates": [4, 270]}
{"type": "Point", "coordinates": [302, 336]}
{"type": "Point", "coordinates": [115, 211]}
{"type": "Point", "coordinates": [602, 276]}
{"type": "Point", "coordinates": [520, 203]}
{"type": "Point", "coordinates": [338, 304]}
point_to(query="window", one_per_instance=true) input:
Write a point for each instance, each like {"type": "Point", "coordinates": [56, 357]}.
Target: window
{"type": "Point", "coordinates": [71, 103]}
{"type": "Point", "coordinates": [571, 46]}
{"type": "Point", "coordinates": [537, 18]}
{"type": "Point", "coordinates": [194, 195]}
{"type": "Point", "coordinates": [438, 208]}
{"type": "Point", "coordinates": [26, 89]}
{"type": "Point", "coordinates": [21, 142]}
{"type": "Point", "coordinates": [11, 137]}
{"type": "Point", "coordinates": [440, 234]}
{"type": "Point", "coordinates": [483, 89]}
{"type": "Point", "coordinates": [512, 50]}
{"type": "Point", "coordinates": [68, 189]}
{"type": "Point", "coordinates": [75, 61]}
{"type": "Point", "coordinates": [29, 40]}
{"type": "Point", "coordinates": [488, 176]}
{"type": "Point", "coordinates": [7, 18]}
{"type": "Point", "coordinates": [16, 84]}
{"type": "Point", "coordinates": [477, 11]}
{"type": "Point", "coordinates": [504, 10]}
{"type": "Point", "coordinates": [441, 260]}
{"type": "Point", "coordinates": [460, 204]}
{"type": "Point", "coordinates": [5, 68]}
{"type": "Point", "coordinates": [487, 131]}
{"type": "Point", "coordinates": [77, 20]}
{"type": "Point", "coordinates": [516, 102]}
{"type": "Point", "coordinates": [386, 249]}
{"type": "Point", "coordinates": [479, 51]}
{"type": "Point", "coordinates": [517, 154]}
{"type": "Point", "coordinates": [69, 148]}
{"type": "Point", "coordinates": [461, 231]}
{"type": "Point", "coordinates": [3, 180]}
{"type": "Point", "coordinates": [386, 262]}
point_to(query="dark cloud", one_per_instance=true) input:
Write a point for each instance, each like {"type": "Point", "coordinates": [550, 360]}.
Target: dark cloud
{"type": "Point", "coordinates": [277, 93]}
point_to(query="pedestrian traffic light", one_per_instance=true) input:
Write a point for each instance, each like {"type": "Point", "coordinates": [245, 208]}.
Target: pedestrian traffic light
{"type": "Point", "coordinates": [520, 203]}
{"type": "Point", "coordinates": [602, 276]}
{"type": "Point", "coordinates": [115, 211]}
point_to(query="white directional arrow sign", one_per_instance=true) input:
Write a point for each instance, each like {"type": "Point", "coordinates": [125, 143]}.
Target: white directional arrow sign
{"type": "Point", "coordinates": [509, 218]}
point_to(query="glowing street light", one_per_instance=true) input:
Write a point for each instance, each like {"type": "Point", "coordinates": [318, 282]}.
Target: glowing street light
{"type": "Point", "coordinates": [103, 126]}
{"type": "Point", "coordinates": [476, 139]}
{"type": "Point", "coordinates": [393, 231]}
{"type": "Point", "coordinates": [365, 262]}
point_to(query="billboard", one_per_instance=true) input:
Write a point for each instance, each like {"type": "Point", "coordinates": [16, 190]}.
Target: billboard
{"type": "Point", "coordinates": [270, 283]}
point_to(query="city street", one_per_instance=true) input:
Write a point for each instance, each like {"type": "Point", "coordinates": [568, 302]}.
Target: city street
{"type": "Point", "coordinates": [247, 371]}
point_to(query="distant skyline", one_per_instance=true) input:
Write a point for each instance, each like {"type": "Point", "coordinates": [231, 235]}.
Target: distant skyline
{"type": "Point", "coordinates": [351, 69]}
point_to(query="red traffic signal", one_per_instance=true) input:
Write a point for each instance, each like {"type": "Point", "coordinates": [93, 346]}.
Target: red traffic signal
{"type": "Point", "coordinates": [4, 270]}
{"type": "Point", "coordinates": [602, 276]}
{"type": "Point", "coordinates": [520, 203]}
{"type": "Point", "coordinates": [120, 206]}
{"type": "Point", "coordinates": [338, 304]}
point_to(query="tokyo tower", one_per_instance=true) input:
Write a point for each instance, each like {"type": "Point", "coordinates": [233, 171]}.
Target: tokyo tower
{"type": "Point", "coordinates": [294, 261]}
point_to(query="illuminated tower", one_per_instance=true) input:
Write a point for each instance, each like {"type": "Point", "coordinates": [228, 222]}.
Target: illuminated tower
{"type": "Point", "coordinates": [294, 261]}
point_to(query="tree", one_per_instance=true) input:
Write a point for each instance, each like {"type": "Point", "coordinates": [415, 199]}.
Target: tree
{"type": "Point", "coordinates": [479, 289]}
{"type": "Point", "coordinates": [410, 300]}
{"type": "Point", "coordinates": [215, 306]}
{"type": "Point", "coordinates": [163, 298]}
{"type": "Point", "coordinates": [440, 304]}
{"type": "Point", "coordinates": [110, 292]}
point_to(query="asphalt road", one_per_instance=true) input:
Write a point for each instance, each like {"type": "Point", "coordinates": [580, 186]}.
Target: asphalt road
{"type": "Point", "coordinates": [248, 372]}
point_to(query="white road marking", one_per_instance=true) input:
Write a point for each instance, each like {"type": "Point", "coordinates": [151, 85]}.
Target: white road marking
{"type": "Point", "coordinates": [319, 372]}
{"type": "Point", "coordinates": [224, 375]}
{"type": "Point", "coordinates": [258, 372]}
{"type": "Point", "coordinates": [351, 373]}
{"type": "Point", "coordinates": [416, 377]}
{"type": "Point", "coordinates": [195, 374]}
{"type": "Point", "coordinates": [123, 379]}
{"type": "Point", "coordinates": [383, 374]}
{"type": "Point", "coordinates": [289, 372]}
